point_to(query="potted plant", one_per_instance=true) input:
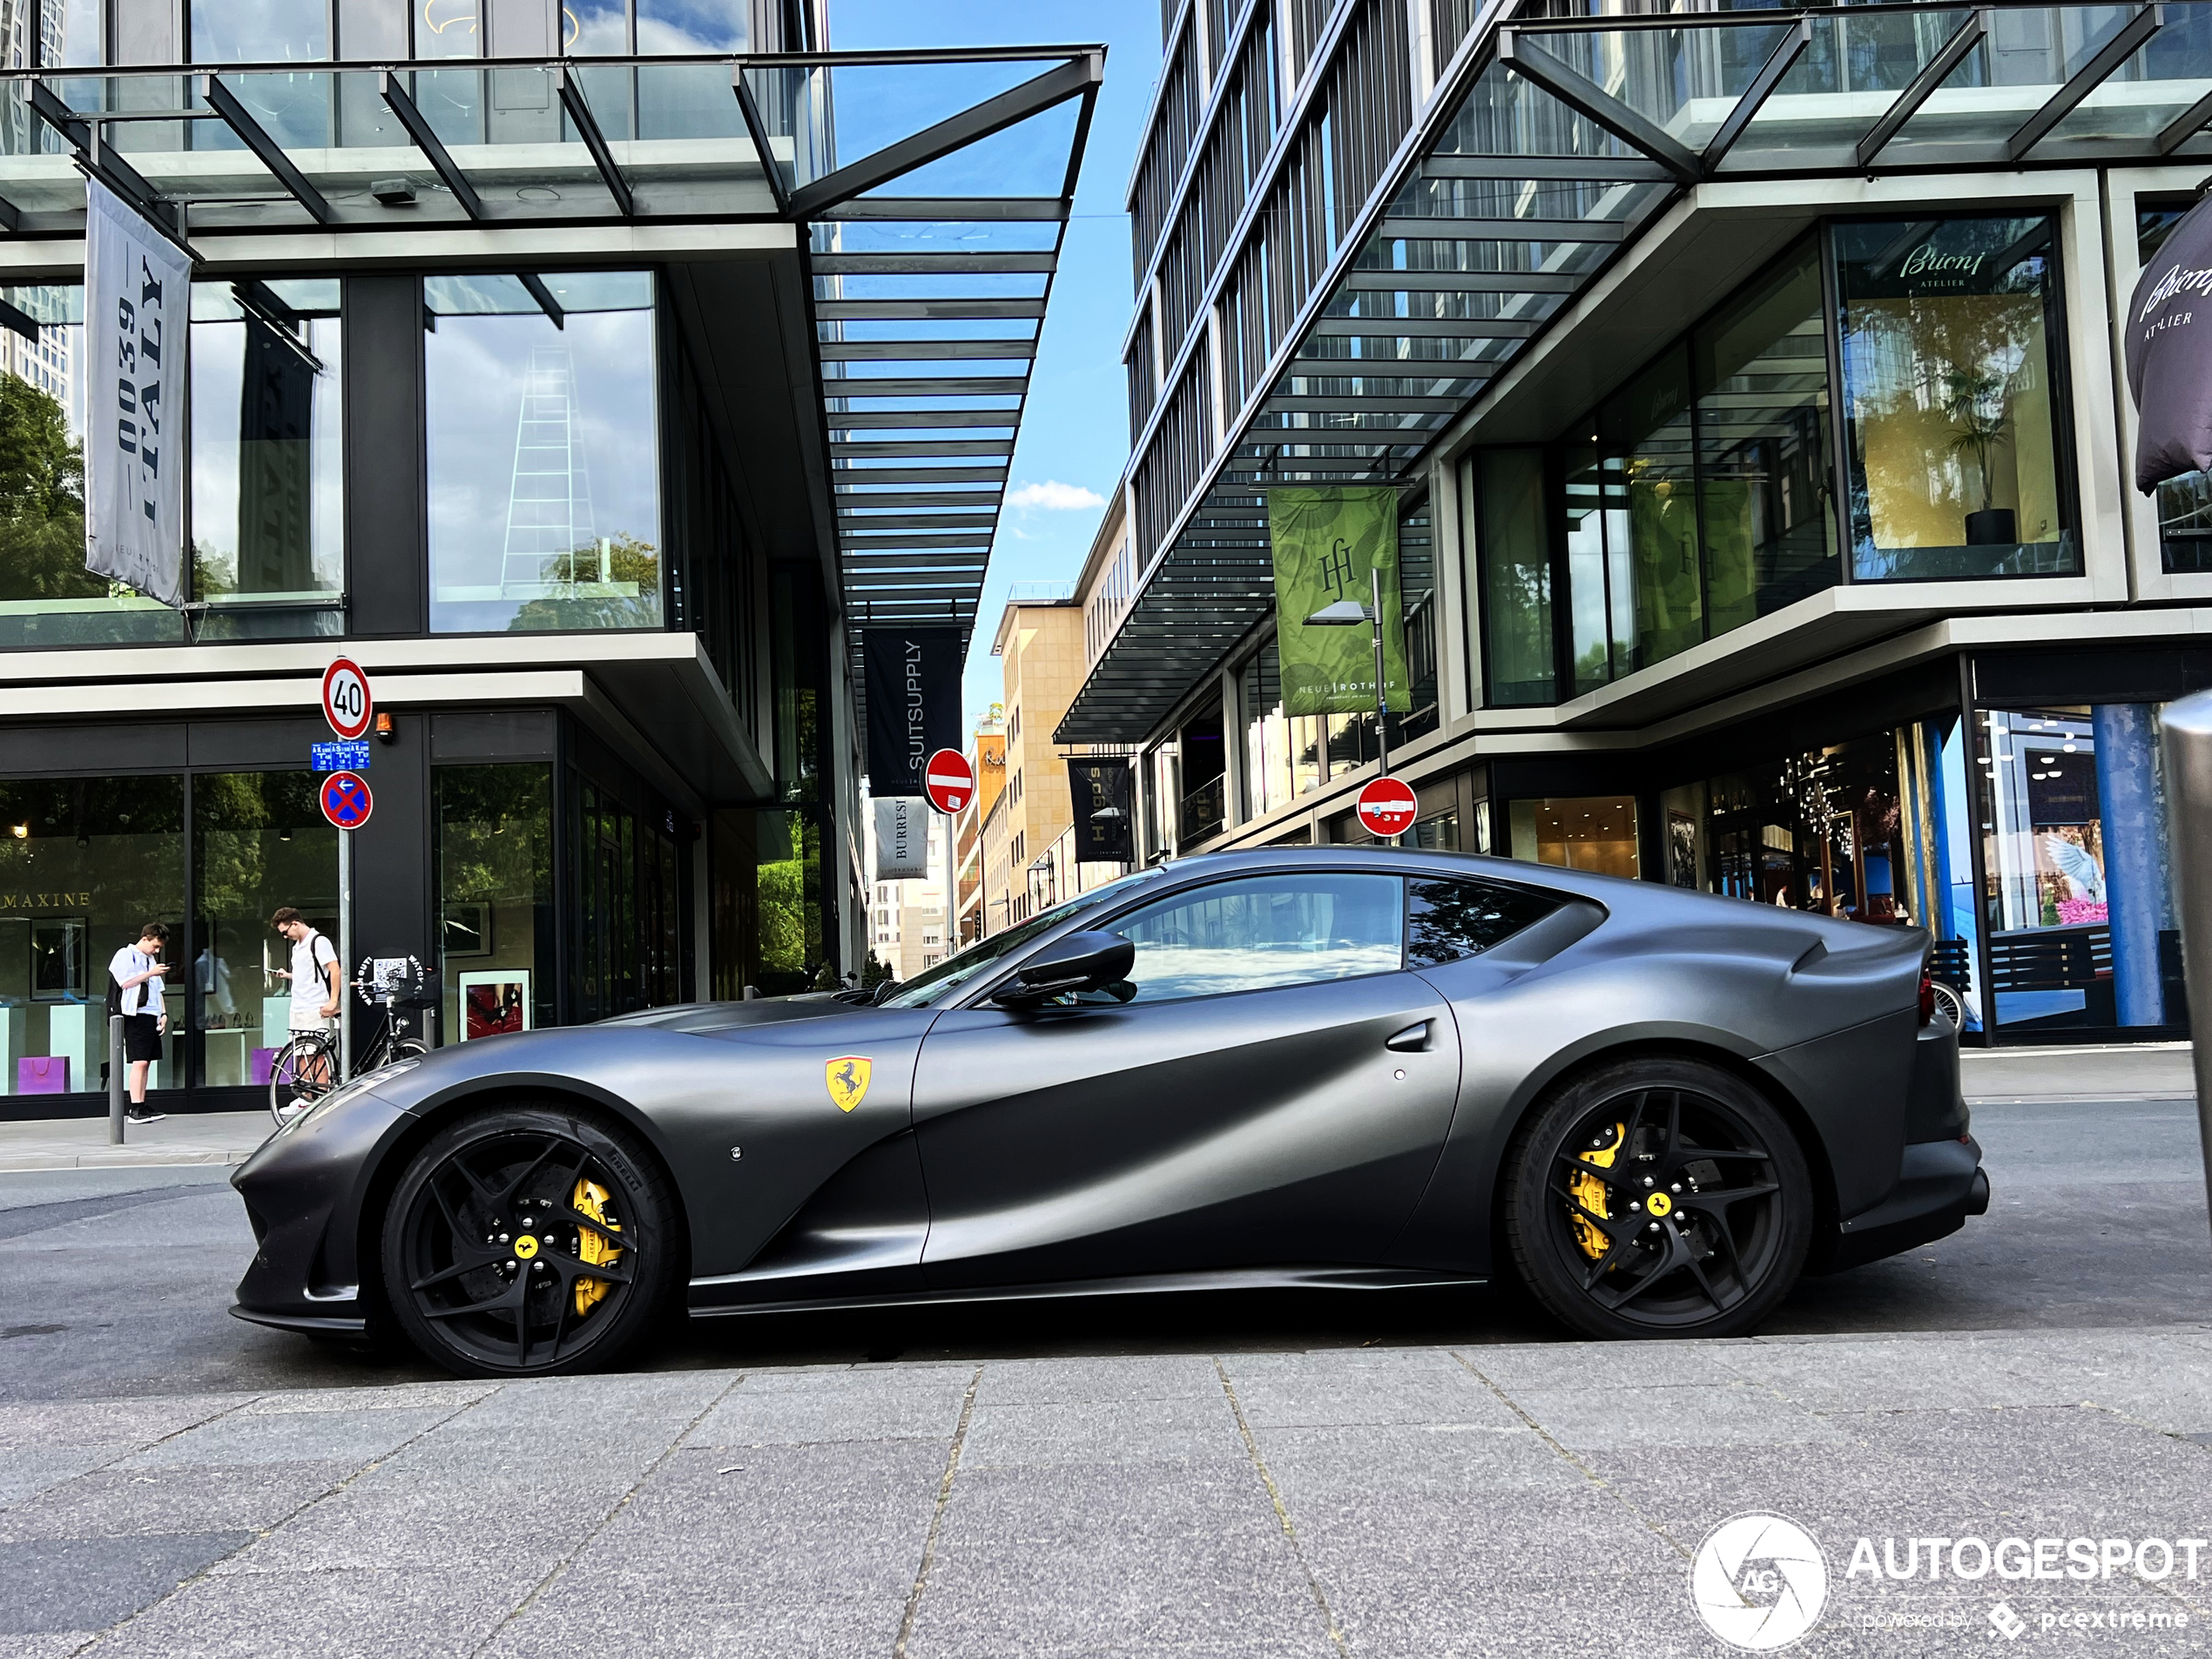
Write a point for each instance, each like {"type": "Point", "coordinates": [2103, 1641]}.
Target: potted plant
{"type": "Point", "coordinates": [1976, 404]}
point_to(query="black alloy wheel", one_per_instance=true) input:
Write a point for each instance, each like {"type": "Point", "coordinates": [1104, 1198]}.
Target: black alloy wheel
{"type": "Point", "coordinates": [1659, 1197]}
{"type": "Point", "coordinates": [528, 1240]}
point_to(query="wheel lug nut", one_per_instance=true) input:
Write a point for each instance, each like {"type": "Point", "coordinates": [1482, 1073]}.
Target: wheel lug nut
{"type": "Point", "coordinates": [1634, 1204]}
{"type": "Point", "coordinates": [1648, 1181]}
{"type": "Point", "coordinates": [503, 1238]}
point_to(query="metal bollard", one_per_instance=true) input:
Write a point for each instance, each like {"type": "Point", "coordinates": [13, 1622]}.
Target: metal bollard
{"type": "Point", "coordinates": [115, 1093]}
{"type": "Point", "coordinates": [2186, 739]}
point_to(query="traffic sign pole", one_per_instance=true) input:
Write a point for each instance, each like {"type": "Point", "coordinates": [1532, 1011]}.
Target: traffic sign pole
{"type": "Point", "coordinates": [345, 955]}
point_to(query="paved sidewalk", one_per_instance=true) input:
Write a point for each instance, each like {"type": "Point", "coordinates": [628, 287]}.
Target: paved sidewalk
{"type": "Point", "coordinates": [82, 1143]}
{"type": "Point", "coordinates": [1423, 1502]}
{"type": "Point", "coordinates": [2116, 1071]}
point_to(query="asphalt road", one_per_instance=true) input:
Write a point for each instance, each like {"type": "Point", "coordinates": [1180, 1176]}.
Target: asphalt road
{"type": "Point", "coordinates": [115, 1282]}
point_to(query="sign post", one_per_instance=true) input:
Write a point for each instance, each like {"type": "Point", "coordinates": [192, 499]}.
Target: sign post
{"type": "Point", "coordinates": [349, 707]}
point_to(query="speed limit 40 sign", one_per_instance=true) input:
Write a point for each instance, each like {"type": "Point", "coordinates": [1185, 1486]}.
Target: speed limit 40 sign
{"type": "Point", "coordinates": [346, 702]}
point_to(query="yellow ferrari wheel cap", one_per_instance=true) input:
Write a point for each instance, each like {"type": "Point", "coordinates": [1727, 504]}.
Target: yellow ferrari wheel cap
{"type": "Point", "coordinates": [1661, 1204]}
{"type": "Point", "coordinates": [525, 1247]}
{"type": "Point", "coordinates": [848, 1076]}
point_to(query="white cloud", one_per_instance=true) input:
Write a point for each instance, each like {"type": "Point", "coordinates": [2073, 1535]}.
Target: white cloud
{"type": "Point", "coordinates": [1055, 496]}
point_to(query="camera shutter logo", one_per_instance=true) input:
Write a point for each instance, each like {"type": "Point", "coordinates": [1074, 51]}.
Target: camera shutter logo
{"type": "Point", "coordinates": [1759, 1581]}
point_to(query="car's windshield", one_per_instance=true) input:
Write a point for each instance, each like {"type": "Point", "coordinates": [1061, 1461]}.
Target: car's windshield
{"type": "Point", "coordinates": [927, 990]}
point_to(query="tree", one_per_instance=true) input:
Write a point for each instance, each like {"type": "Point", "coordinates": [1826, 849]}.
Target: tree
{"type": "Point", "coordinates": [42, 500]}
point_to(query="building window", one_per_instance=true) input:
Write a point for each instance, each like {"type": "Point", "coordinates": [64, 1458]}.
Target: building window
{"type": "Point", "coordinates": [494, 833]}
{"type": "Point", "coordinates": [1767, 503]}
{"type": "Point", "coordinates": [1509, 545]}
{"type": "Point", "coordinates": [268, 460]}
{"type": "Point", "coordinates": [258, 840]}
{"type": "Point", "coordinates": [1951, 343]}
{"type": "Point", "coordinates": [47, 598]}
{"type": "Point", "coordinates": [89, 862]}
{"type": "Point", "coordinates": [544, 474]}
{"type": "Point", "coordinates": [1590, 832]}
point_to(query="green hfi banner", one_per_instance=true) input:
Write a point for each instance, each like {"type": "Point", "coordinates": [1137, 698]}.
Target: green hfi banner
{"type": "Point", "coordinates": [1326, 543]}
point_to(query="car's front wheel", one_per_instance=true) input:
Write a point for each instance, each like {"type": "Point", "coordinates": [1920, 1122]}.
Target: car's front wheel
{"type": "Point", "coordinates": [525, 1240]}
{"type": "Point", "coordinates": [1657, 1198]}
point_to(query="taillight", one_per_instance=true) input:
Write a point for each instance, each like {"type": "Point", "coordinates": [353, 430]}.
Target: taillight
{"type": "Point", "coordinates": [1927, 998]}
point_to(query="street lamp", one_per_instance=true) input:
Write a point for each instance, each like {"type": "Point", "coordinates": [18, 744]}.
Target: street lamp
{"type": "Point", "coordinates": [1350, 613]}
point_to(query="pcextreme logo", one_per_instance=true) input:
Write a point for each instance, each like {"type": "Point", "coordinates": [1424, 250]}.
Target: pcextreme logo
{"type": "Point", "coordinates": [1759, 1581]}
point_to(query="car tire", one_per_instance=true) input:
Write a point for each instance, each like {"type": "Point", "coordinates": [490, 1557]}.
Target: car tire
{"type": "Point", "coordinates": [489, 1242]}
{"type": "Point", "coordinates": [1657, 1198]}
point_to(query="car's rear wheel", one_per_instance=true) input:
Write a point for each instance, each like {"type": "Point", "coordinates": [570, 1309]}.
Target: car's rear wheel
{"type": "Point", "coordinates": [1658, 1197]}
{"type": "Point", "coordinates": [526, 1240]}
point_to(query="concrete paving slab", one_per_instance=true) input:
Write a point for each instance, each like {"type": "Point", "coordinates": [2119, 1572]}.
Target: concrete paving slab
{"type": "Point", "coordinates": [88, 1583]}
{"type": "Point", "coordinates": [699, 1623]}
{"type": "Point", "coordinates": [1730, 1414]}
{"type": "Point", "coordinates": [1323, 1390]}
{"type": "Point", "coordinates": [838, 1405]}
{"type": "Point", "coordinates": [115, 1502]}
{"type": "Point", "coordinates": [82, 1143]}
{"type": "Point", "coordinates": [1132, 1430]}
{"type": "Point", "coordinates": [1380, 1463]}
{"type": "Point", "coordinates": [421, 1615]}
{"type": "Point", "coordinates": [1110, 1378]}
{"type": "Point", "coordinates": [239, 1437]}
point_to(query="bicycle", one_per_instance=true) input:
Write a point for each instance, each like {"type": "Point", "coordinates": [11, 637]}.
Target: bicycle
{"type": "Point", "coordinates": [306, 1069]}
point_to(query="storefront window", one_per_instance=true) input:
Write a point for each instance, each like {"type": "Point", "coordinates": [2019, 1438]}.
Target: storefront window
{"type": "Point", "coordinates": [545, 473]}
{"type": "Point", "coordinates": [1816, 830]}
{"type": "Point", "coordinates": [629, 929]}
{"type": "Point", "coordinates": [788, 848]}
{"type": "Point", "coordinates": [2077, 894]}
{"type": "Point", "coordinates": [267, 463]}
{"type": "Point", "coordinates": [1950, 344]}
{"type": "Point", "coordinates": [1509, 550]}
{"type": "Point", "coordinates": [494, 863]}
{"type": "Point", "coordinates": [1595, 833]}
{"type": "Point", "coordinates": [1767, 509]}
{"type": "Point", "coordinates": [46, 596]}
{"type": "Point", "coordinates": [85, 865]}
{"type": "Point", "coordinates": [1587, 583]}
{"type": "Point", "coordinates": [259, 841]}
{"type": "Point", "coordinates": [1651, 515]}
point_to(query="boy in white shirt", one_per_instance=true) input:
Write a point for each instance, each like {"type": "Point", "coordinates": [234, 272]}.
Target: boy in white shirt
{"type": "Point", "coordinates": [136, 971]}
{"type": "Point", "coordinates": [314, 972]}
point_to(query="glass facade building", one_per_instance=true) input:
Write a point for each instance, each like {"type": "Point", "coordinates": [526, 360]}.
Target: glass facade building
{"type": "Point", "coordinates": [1759, 371]}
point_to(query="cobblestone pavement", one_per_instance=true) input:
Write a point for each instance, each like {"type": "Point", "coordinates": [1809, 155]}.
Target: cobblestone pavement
{"type": "Point", "coordinates": [1523, 1500]}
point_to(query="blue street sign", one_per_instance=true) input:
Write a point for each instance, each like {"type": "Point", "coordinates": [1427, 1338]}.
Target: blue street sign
{"type": "Point", "coordinates": [338, 757]}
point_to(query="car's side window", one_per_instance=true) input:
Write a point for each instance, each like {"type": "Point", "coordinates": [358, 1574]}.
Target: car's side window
{"type": "Point", "coordinates": [1258, 932]}
{"type": "Point", "coordinates": [1449, 918]}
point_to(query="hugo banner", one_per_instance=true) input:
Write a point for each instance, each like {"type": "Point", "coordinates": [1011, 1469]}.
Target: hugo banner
{"type": "Point", "coordinates": [2169, 354]}
{"type": "Point", "coordinates": [137, 283]}
{"type": "Point", "coordinates": [1326, 542]}
{"type": "Point", "coordinates": [912, 680]}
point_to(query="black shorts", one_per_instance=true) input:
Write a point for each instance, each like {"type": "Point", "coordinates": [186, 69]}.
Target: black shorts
{"type": "Point", "coordinates": [142, 1036]}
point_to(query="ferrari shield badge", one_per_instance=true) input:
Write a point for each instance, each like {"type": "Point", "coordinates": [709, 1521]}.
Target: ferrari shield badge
{"type": "Point", "coordinates": [848, 1076]}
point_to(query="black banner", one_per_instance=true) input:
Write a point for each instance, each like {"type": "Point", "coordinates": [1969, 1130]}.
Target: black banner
{"type": "Point", "coordinates": [1103, 796]}
{"type": "Point", "coordinates": [913, 676]}
{"type": "Point", "coordinates": [2169, 354]}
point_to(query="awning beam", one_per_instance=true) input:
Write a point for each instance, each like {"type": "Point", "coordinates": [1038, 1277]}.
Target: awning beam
{"type": "Point", "coordinates": [1586, 97]}
{"type": "Point", "coordinates": [2123, 46]}
{"type": "Point", "coordinates": [1968, 35]}
{"type": "Point", "coordinates": [587, 128]}
{"type": "Point", "coordinates": [441, 163]}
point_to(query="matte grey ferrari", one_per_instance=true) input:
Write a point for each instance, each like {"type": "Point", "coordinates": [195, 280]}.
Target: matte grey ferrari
{"type": "Point", "coordinates": [1333, 1067]}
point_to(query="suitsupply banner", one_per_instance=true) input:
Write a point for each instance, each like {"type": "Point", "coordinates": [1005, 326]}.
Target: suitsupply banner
{"type": "Point", "coordinates": [138, 288]}
{"type": "Point", "coordinates": [913, 679]}
{"type": "Point", "coordinates": [1326, 542]}
{"type": "Point", "coordinates": [1102, 795]}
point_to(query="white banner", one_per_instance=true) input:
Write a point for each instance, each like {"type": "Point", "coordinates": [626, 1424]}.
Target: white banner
{"type": "Point", "coordinates": [137, 298]}
{"type": "Point", "coordinates": [901, 837]}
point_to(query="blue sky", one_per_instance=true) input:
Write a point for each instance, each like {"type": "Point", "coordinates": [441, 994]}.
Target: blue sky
{"type": "Point", "coordinates": [1075, 431]}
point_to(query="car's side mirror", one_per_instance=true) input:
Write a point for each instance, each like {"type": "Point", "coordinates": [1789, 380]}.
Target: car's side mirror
{"type": "Point", "coordinates": [1089, 961]}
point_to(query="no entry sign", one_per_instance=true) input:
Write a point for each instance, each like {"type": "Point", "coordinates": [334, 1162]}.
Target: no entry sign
{"type": "Point", "coordinates": [345, 800]}
{"type": "Point", "coordinates": [1386, 807]}
{"type": "Point", "coordinates": [949, 779]}
{"type": "Point", "coordinates": [346, 702]}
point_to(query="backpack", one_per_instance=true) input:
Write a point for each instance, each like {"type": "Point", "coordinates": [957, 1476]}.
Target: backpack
{"type": "Point", "coordinates": [114, 996]}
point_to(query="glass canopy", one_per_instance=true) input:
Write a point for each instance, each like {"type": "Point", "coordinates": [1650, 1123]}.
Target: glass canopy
{"type": "Point", "coordinates": [1571, 134]}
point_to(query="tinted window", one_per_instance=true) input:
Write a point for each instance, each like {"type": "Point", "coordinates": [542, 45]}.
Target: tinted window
{"type": "Point", "coordinates": [1263, 931]}
{"type": "Point", "coordinates": [927, 990]}
{"type": "Point", "coordinates": [1447, 921]}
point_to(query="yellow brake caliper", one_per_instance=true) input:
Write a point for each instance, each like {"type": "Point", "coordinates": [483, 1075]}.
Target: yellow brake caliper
{"type": "Point", "coordinates": [1588, 1191]}
{"type": "Point", "coordinates": [592, 1249]}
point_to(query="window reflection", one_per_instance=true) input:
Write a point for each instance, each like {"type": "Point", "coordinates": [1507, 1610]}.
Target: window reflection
{"type": "Point", "coordinates": [267, 463]}
{"type": "Point", "coordinates": [544, 461]}
{"type": "Point", "coordinates": [1447, 921]}
{"type": "Point", "coordinates": [259, 841]}
{"type": "Point", "coordinates": [1595, 833]}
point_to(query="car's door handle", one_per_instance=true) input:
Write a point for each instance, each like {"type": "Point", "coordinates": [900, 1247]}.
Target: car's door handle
{"type": "Point", "coordinates": [1413, 1040]}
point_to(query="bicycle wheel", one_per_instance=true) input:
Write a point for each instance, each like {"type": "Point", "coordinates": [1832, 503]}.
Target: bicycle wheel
{"type": "Point", "coordinates": [305, 1069]}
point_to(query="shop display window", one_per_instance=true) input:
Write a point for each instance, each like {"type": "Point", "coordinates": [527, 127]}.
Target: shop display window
{"type": "Point", "coordinates": [1951, 353]}
{"type": "Point", "coordinates": [494, 864]}
{"type": "Point", "coordinates": [2077, 893]}
{"type": "Point", "coordinates": [1597, 833]}
{"type": "Point", "coordinates": [259, 841]}
{"type": "Point", "coordinates": [84, 864]}
{"type": "Point", "coordinates": [1508, 547]}
{"type": "Point", "coordinates": [544, 468]}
